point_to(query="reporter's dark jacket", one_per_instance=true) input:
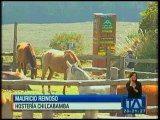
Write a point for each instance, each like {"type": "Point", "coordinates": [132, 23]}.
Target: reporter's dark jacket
{"type": "Point", "coordinates": [131, 92]}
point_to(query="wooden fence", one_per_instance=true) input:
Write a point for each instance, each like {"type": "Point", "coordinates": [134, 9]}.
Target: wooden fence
{"type": "Point", "coordinates": [120, 59]}
{"type": "Point", "coordinates": [113, 82]}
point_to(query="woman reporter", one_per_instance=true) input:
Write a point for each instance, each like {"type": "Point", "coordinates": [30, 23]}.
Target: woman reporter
{"type": "Point", "coordinates": [133, 86]}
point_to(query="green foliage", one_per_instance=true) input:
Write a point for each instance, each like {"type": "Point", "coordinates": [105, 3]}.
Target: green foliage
{"type": "Point", "coordinates": [132, 40]}
{"type": "Point", "coordinates": [149, 19]}
{"type": "Point", "coordinates": [148, 51]}
{"type": "Point", "coordinates": [60, 41]}
{"type": "Point", "coordinates": [144, 43]}
{"type": "Point", "coordinates": [149, 35]}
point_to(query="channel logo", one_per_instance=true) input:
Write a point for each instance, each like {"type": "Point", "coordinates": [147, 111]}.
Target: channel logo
{"type": "Point", "coordinates": [133, 105]}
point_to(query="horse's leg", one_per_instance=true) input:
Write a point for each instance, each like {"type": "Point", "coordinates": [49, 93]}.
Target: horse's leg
{"type": "Point", "coordinates": [49, 78]}
{"type": "Point", "coordinates": [44, 70]}
{"type": "Point", "coordinates": [65, 78]}
{"type": "Point", "coordinates": [19, 67]}
{"type": "Point", "coordinates": [25, 69]}
{"type": "Point", "coordinates": [22, 67]}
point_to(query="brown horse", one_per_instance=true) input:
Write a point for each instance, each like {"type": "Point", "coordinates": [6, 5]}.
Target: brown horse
{"type": "Point", "coordinates": [26, 55]}
{"type": "Point", "coordinates": [55, 61]}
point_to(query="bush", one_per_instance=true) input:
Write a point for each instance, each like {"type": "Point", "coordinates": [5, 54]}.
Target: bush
{"type": "Point", "coordinates": [149, 35]}
{"type": "Point", "coordinates": [148, 51]}
{"type": "Point", "coordinates": [60, 41]}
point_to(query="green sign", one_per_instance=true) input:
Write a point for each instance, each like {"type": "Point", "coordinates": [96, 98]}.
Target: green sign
{"type": "Point", "coordinates": [107, 25]}
{"type": "Point", "coordinates": [101, 51]}
{"type": "Point", "coordinates": [107, 41]}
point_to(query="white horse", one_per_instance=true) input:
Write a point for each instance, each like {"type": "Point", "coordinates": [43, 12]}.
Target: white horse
{"type": "Point", "coordinates": [76, 73]}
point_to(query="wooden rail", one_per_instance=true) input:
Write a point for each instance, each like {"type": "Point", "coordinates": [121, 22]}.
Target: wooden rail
{"type": "Point", "coordinates": [97, 69]}
{"type": "Point", "coordinates": [77, 82]}
{"type": "Point", "coordinates": [122, 61]}
{"type": "Point", "coordinates": [7, 54]}
{"type": "Point", "coordinates": [97, 57]}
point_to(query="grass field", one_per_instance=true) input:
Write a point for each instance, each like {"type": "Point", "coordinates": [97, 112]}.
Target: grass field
{"type": "Point", "coordinates": [39, 35]}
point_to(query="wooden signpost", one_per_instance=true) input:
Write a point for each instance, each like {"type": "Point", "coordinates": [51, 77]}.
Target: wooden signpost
{"type": "Point", "coordinates": [104, 38]}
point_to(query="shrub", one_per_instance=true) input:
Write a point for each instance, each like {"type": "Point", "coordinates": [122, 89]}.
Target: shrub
{"type": "Point", "coordinates": [148, 30]}
{"type": "Point", "coordinates": [60, 41]}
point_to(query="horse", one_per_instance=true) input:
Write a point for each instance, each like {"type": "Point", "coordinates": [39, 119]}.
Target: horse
{"type": "Point", "coordinates": [55, 61]}
{"type": "Point", "coordinates": [8, 75]}
{"type": "Point", "coordinates": [26, 55]}
{"type": "Point", "coordinates": [76, 73]}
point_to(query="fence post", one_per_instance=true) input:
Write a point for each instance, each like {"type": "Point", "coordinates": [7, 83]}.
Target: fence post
{"type": "Point", "coordinates": [41, 62]}
{"type": "Point", "coordinates": [122, 68]}
{"type": "Point", "coordinates": [47, 114]}
{"type": "Point", "coordinates": [27, 114]}
{"type": "Point", "coordinates": [114, 73]}
{"type": "Point", "coordinates": [113, 88]}
{"type": "Point", "coordinates": [7, 112]}
{"type": "Point", "coordinates": [14, 48]}
{"type": "Point", "coordinates": [90, 114]}
{"type": "Point", "coordinates": [108, 64]}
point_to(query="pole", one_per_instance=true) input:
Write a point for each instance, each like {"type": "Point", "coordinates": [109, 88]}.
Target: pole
{"type": "Point", "coordinates": [14, 47]}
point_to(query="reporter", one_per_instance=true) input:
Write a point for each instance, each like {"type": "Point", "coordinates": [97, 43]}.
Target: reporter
{"type": "Point", "coordinates": [133, 86]}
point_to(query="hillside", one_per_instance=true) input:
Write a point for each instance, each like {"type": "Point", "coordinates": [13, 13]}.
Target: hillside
{"type": "Point", "coordinates": [40, 34]}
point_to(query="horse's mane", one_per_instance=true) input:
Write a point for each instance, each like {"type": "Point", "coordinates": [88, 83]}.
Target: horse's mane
{"type": "Point", "coordinates": [31, 49]}
{"type": "Point", "coordinates": [31, 55]}
{"type": "Point", "coordinates": [74, 56]}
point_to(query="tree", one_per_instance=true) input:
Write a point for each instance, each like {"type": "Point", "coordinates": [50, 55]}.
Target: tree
{"type": "Point", "coordinates": [149, 19]}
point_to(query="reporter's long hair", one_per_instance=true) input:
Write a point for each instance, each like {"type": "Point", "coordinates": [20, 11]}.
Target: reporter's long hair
{"type": "Point", "coordinates": [131, 74]}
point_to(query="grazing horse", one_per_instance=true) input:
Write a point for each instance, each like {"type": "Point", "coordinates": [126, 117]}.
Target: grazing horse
{"type": "Point", "coordinates": [55, 61]}
{"type": "Point", "coordinates": [76, 73]}
{"type": "Point", "coordinates": [25, 55]}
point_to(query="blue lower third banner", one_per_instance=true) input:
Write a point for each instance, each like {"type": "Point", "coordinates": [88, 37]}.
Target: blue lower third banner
{"type": "Point", "coordinates": [74, 102]}
{"type": "Point", "coordinates": [66, 102]}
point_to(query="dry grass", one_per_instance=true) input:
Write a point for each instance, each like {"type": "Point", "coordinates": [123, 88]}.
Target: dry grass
{"type": "Point", "coordinates": [39, 35]}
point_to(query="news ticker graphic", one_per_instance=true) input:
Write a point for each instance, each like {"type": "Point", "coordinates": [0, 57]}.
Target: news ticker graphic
{"type": "Point", "coordinates": [74, 102]}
